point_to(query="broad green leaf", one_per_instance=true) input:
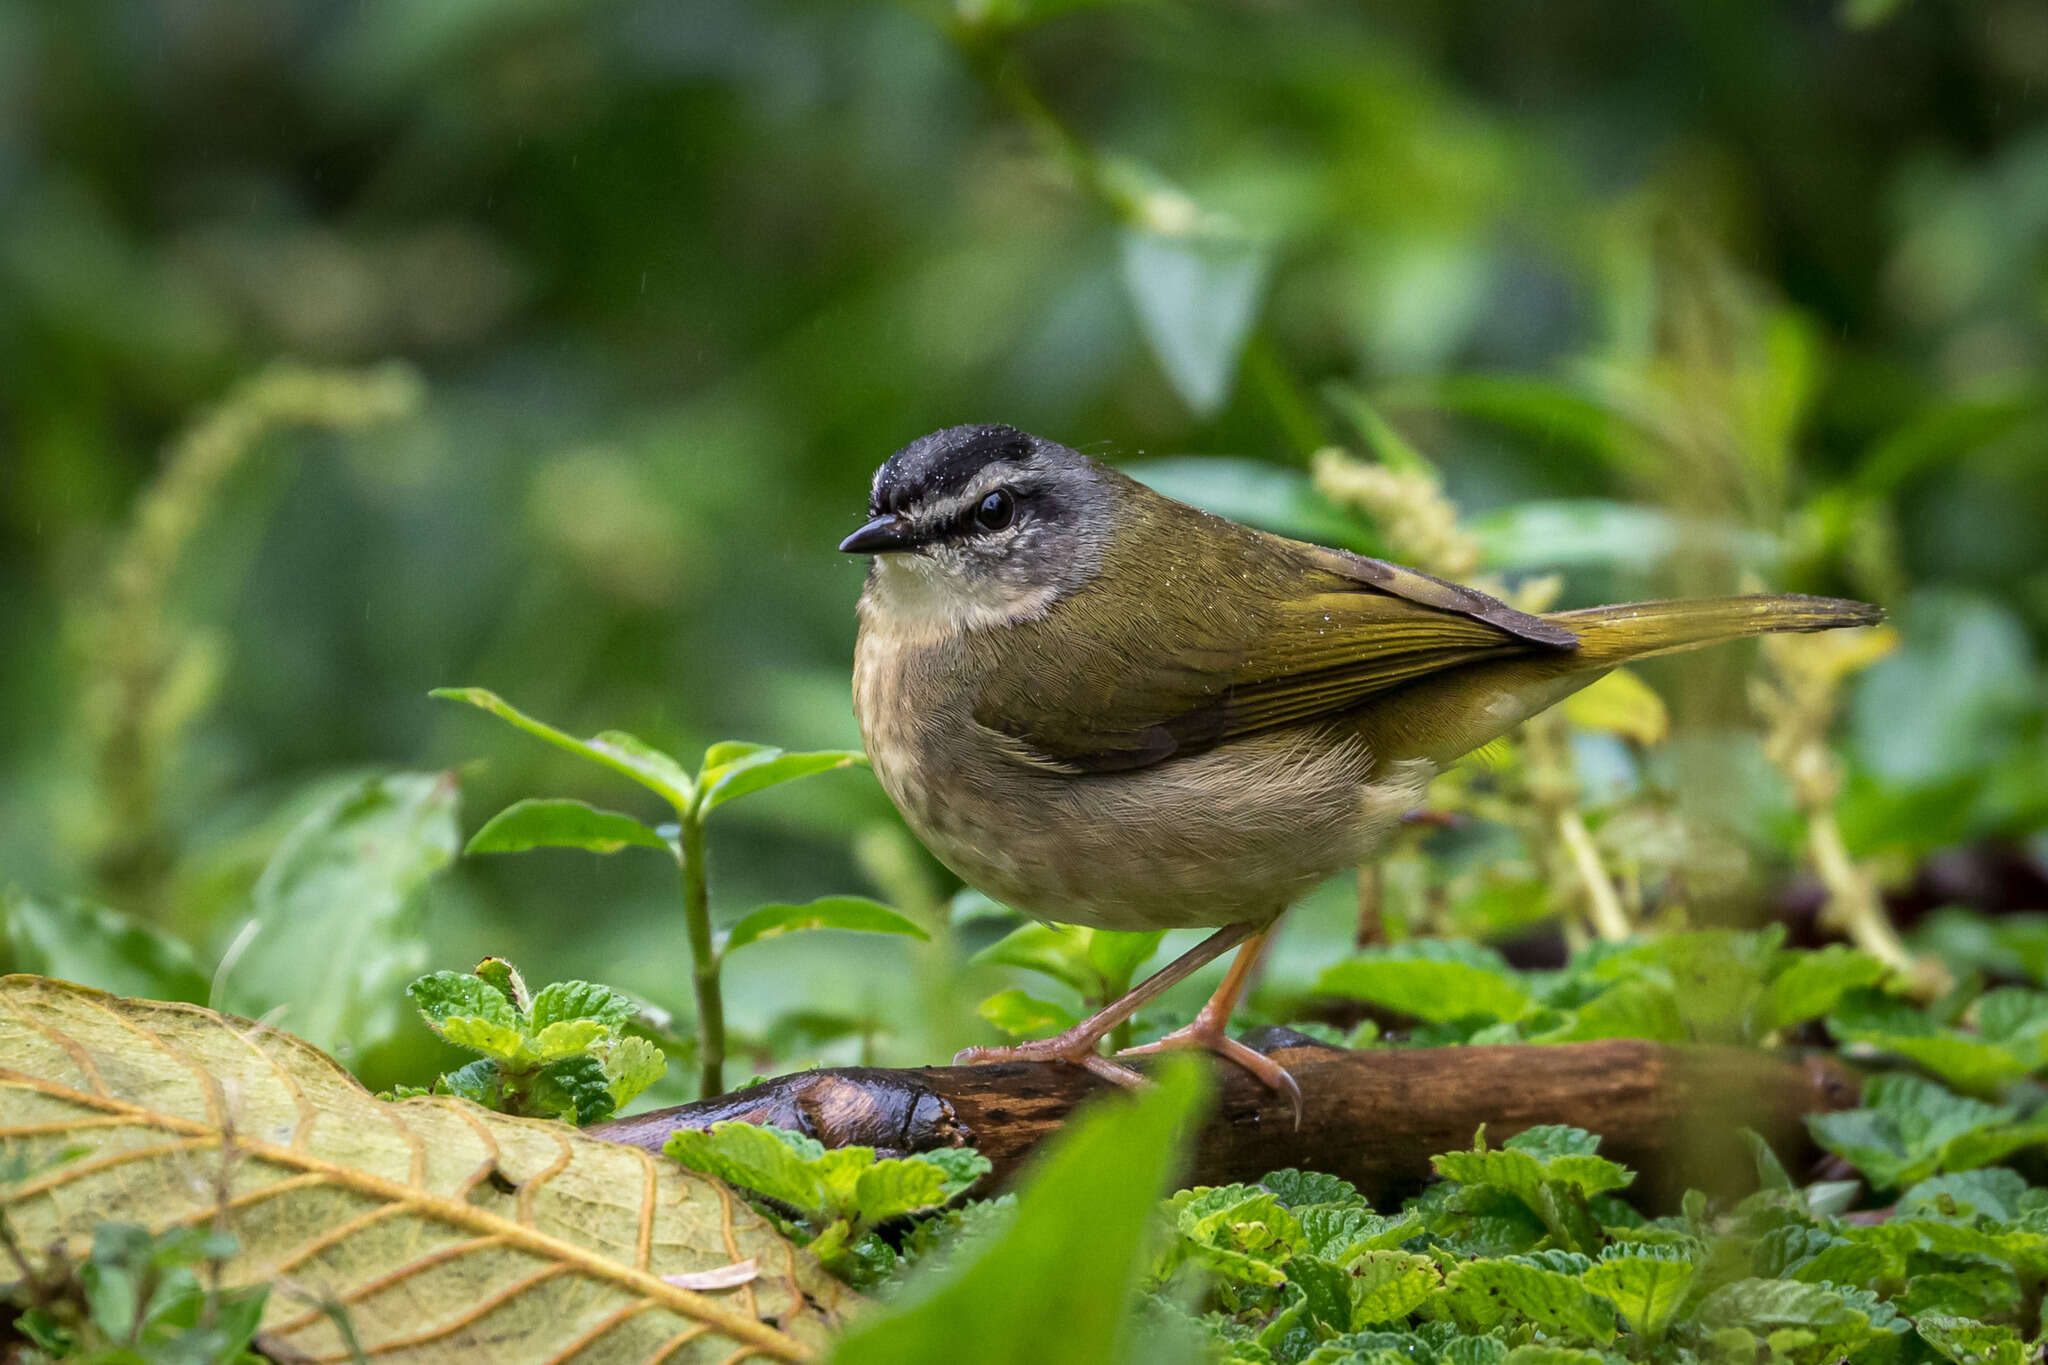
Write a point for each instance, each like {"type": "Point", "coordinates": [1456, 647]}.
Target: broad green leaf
{"type": "Point", "coordinates": [1337, 1233]}
{"type": "Point", "coordinates": [1973, 1343]}
{"type": "Point", "coordinates": [564, 1000]}
{"type": "Point", "coordinates": [1484, 1294]}
{"type": "Point", "coordinates": [1555, 1355]}
{"type": "Point", "coordinates": [1992, 1193]}
{"type": "Point", "coordinates": [441, 996]}
{"type": "Point", "coordinates": [336, 913]}
{"type": "Point", "coordinates": [554, 823]}
{"type": "Point", "coordinates": [1622, 704]}
{"type": "Point", "coordinates": [890, 1189]}
{"type": "Point", "coordinates": [770, 1161]}
{"type": "Point", "coordinates": [630, 1066]}
{"type": "Point", "coordinates": [1055, 950]}
{"type": "Point", "coordinates": [1111, 1161]}
{"type": "Point", "coordinates": [1116, 956]}
{"type": "Point", "coordinates": [728, 751]}
{"type": "Point", "coordinates": [1964, 1060]}
{"type": "Point", "coordinates": [1386, 1285]}
{"type": "Point", "coordinates": [480, 1082]}
{"type": "Point", "coordinates": [1023, 1016]}
{"type": "Point", "coordinates": [958, 1167]}
{"type": "Point", "coordinates": [1547, 1140]}
{"type": "Point", "coordinates": [1646, 1285]}
{"type": "Point", "coordinates": [1431, 979]}
{"type": "Point", "coordinates": [1834, 1315]}
{"type": "Point", "coordinates": [1196, 296]}
{"type": "Point", "coordinates": [494, 1040]}
{"type": "Point", "coordinates": [855, 913]}
{"type": "Point", "coordinates": [2004, 945]}
{"type": "Point", "coordinates": [565, 1038]}
{"type": "Point", "coordinates": [1522, 1173]}
{"type": "Point", "coordinates": [767, 767]}
{"type": "Point", "coordinates": [575, 1089]}
{"type": "Point", "coordinates": [1295, 1188]}
{"type": "Point", "coordinates": [1910, 1128]}
{"type": "Point", "coordinates": [1811, 984]}
{"type": "Point", "coordinates": [94, 946]}
{"type": "Point", "coordinates": [1627, 1009]}
{"type": "Point", "coordinates": [569, 1237]}
{"type": "Point", "coordinates": [506, 978]}
{"type": "Point", "coordinates": [614, 749]}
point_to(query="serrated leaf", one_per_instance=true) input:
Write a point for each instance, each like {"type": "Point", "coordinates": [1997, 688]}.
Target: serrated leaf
{"type": "Point", "coordinates": [856, 914]}
{"type": "Point", "coordinates": [498, 1041]}
{"type": "Point", "coordinates": [1339, 1232]}
{"type": "Point", "coordinates": [1483, 1294]}
{"type": "Point", "coordinates": [1116, 956]}
{"type": "Point", "coordinates": [631, 1065]}
{"type": "Point", "coordinates": [575, 1090]}
{"type": "Point", "coordinates": [562, 1241]}
{"type": "Point", "coordinates": [1055, 950]}
{"type": "Point", "coordinates": [440, 996]}
{"type": "Point", "coordinates": [1646, 1289]}
{"type": "Point", "coordinates": [558, 823]}
{"type": "Point", "coordinates": [1386, 1285]}
{"type": "Point", "coordinates": [764, 767]}
{"type": "Point", "coordinates": [959, 1167]}
{"type": "Point", "coordinates": [336, 912]}
{"type": "Point", "coordinates": [94, 946]}
{"type": "Point", "coordinates": [1431, 979]}
{"type": "Point", "coordinates": [890, 1189]}
{"type": "Point", "coordinates": [1973, 1343]}
{"type": "Point", "coordinates": [479, 1082]}
{"type": "Point", "coordinates": [1022, 1015]}
{"type": "Point", "coordinates": [1620, 703]}
{"type": "Point", "coordinates": [1832, 1314]}
{"type": "Point", "coordinates": [1296, 1188]}
{"type": "Point", "coordinates": [1966, 1061]}
{"type": "Point", "coordinates": [564, 1038]}
{"type": "Point", "coordinates": [1994, 1194]}
{"type": "Point", "coordinates": [565, 1000]}
{"type": "Point", "coordinates": [615, 749]}
{"type": "Point", "coordinates": [505, 978]}
{"type": "Point", "coordinates": [769, 1161]}
{"type": "Point", "coordinates": [1546, 1140]}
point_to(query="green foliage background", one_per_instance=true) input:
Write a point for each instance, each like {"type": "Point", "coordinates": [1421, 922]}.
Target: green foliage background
{"type": "Point", "coordinates": [672, 278]}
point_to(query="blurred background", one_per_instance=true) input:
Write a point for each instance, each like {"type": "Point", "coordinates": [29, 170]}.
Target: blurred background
{"type": "Point", "coordinates": [596, 316]}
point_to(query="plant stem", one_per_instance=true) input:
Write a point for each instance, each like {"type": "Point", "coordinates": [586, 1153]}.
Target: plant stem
{"type": "Point", "coordinates": [704, 963]}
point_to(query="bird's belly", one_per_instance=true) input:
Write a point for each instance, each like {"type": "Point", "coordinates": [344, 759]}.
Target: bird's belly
{"type": "Point", "coordinates": [1228, 836]}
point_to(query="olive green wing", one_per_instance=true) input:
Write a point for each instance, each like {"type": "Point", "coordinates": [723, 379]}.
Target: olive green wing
{"type": "Point", "coordinates": [1301, 634]}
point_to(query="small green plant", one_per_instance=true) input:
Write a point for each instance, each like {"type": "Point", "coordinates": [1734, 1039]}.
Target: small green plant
{"type": "Point", "coordinates": [838, 1196]}
{"type": "Point", "coordinates": [1097, 964]}
{"type": "Point", "coordinates": [137, 1298]}
{"type": "Point", "coordinates": [729, 770]}
{"type": "Point", "coordinates": [559, 1053]}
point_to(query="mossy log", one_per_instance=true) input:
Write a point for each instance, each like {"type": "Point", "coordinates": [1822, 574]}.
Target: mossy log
{"type": "Point", "coordinates": [1674, 1113]}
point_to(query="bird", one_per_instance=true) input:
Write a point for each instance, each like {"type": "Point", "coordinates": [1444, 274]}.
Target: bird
{"type": "Point", "coordinates": [1103, 707]}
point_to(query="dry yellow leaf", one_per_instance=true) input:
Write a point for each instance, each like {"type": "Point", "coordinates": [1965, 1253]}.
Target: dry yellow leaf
{"type": "Point", "coordinates": [442, 1231]}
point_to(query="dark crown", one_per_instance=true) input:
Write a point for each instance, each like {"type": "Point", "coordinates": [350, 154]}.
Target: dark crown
{"type": "Point", "coordinates": [944, 463]}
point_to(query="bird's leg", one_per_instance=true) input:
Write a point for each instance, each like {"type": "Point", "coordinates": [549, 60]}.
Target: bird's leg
{"type": "Point", "coordinates": [1211, 1023]}
{"type": "Point", "coordinates": [1078, 1043]}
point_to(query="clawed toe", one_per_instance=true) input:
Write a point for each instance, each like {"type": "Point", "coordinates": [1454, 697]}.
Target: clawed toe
{"type": "Point", "coordinates": [1062, 1049]}
{"type": "Point", "coordinates": [1209, 1036]}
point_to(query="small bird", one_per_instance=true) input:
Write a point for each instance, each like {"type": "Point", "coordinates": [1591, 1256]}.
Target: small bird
{"type": "Point", "coordinates": [1103, 707]}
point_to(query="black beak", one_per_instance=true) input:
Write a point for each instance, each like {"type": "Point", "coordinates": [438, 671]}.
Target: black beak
{"type": "Point", "coordinates": [880, 536]}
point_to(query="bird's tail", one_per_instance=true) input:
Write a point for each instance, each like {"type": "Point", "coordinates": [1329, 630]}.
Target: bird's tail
{"type": "Point", "coordinates": [1637, 630]}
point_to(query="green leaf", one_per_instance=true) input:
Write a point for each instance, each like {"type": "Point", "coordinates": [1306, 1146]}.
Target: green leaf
{"type": "Point", "coordinates": [1973, 1343]}
{"type": "Point", "coordinates": [614, 749]}
{"type": "Point", "coordinates": [480, 1082]}
{"type": "Point", "coordinates": [959, 1167]}
{"type": "Point", "coordinates": [1112, 1162]}
{"type": "Point", "coordinates": [556, 823]}
{"type": "Point", "coordinates": [562, 1039]}
{"type": "Point", "coordinates": [855, 913]}
{"type": "Point", "coordinates": [761, 767]}
{"type": "Point", "coordinates": [1296, 1189]}
{"type": "Point", "coordinates": [1055, 950]}
{"type": "Point", "coordinates": [441, 996]}
{"type": "Point", "coordinates": [1627, 1009]}
{"type": "Point", "coordinates": [497, 1041]}
{"type": "Point", "coordinates": [890, 1189]}
{"type": "Point", "coordinates": [1547, 1140]}
{"type": "Point", "coordinates": [1116, 956]}
{"type": "Point", "coordinates": [1834, 1315]}
{"type": "Point", "coordinates": [1966, 1061]}
{"type": "Point", "coordinates": [1431, 979]}
{"type": "Point", "coordinates": [1023, 1016]}
{"type": "Point", "coordinates": [506, 978]}
{"type": "Point", "coordinates": [630, 1066]}
{"type": "Point", "coordinates": [74, 940]}
{"type": "Point", "coordinates": [1484, 1294]}
{"type": "Point", "coordinates": [1196, 297]}
{"type": "Point", "coordinates": [1646, 1284]}
{"type": "Point", "coordinates": [1812, 984]}
{"type": "Point", "coordinates": [575, 1089]}
{"type": "Point", "coordinates": [1993, 1193]}
{"type": "Point", "coordinates": [769, 1161]}
{"type": "Point", "coordinates": [1386, 1285]}
{"type": "Point", "coordinates": [566, 1000]}
{"type": "Point", "coordinates": [1910, 1128]}
{"type": "Point", "coordinates": [336, 913]}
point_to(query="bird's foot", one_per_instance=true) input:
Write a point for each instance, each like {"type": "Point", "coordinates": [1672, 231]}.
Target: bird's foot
{"type": "Point", "coordinates": [1077, 1045]}
{"type": "Point", "coordinates": [1207, 1032]}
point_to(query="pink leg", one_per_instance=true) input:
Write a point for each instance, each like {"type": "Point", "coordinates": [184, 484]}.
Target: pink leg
{"type": "Point", "coordinates": [1078, 1043]}
{"type": "Point", "coordinates": [1210, 1027]}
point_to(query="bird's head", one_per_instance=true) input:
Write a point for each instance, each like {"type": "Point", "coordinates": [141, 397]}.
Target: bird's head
{"type": "Point", "coordinates": [978, 526]}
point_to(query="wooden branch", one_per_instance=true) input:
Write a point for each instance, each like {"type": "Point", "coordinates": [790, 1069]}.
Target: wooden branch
{"type": "Point", "coordinates": [1372, 1117]}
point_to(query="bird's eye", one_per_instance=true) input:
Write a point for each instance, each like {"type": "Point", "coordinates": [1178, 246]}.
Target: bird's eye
{"type": "Point", "coordinates": [996, 510]}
